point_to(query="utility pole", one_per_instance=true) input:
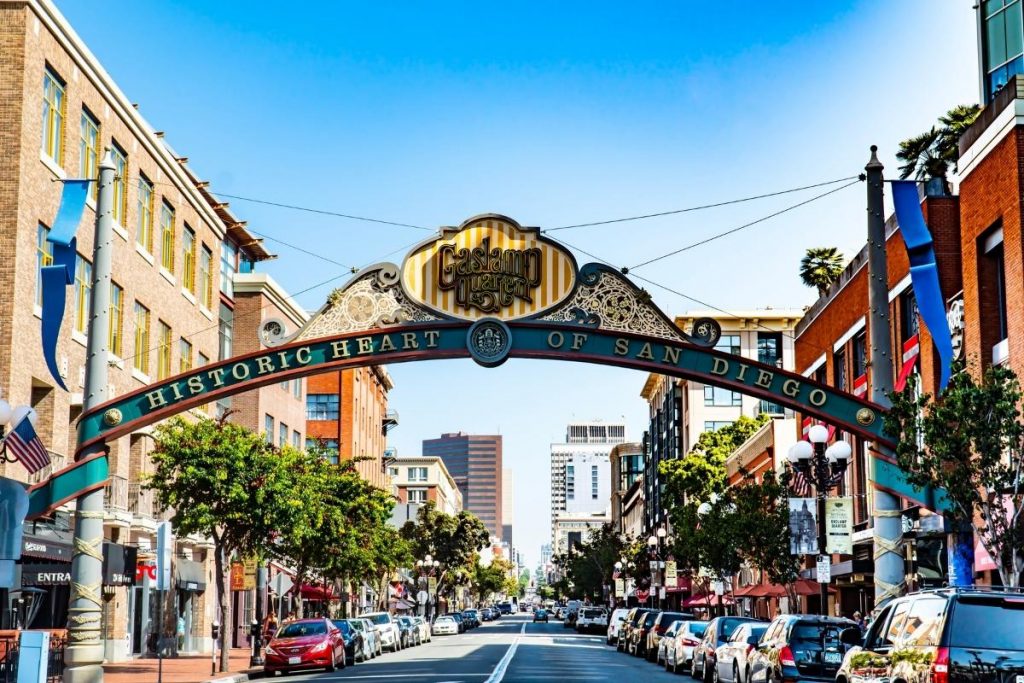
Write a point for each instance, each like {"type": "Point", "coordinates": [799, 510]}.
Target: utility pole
{"type": "Point", "coordinates": [83, 656]}
{"type": "Point", "coordinates": [888, 531]}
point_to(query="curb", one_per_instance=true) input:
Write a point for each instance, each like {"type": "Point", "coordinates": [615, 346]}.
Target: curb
{"type": "Point", "coordinates": [237, 678]}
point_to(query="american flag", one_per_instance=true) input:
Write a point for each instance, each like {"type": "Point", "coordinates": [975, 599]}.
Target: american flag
{"type": "Point", "coordinates": [799, 484]}
{"type": "Point", "coordinates": [26, 446]}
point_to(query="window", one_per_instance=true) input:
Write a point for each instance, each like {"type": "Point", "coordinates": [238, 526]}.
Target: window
{"type": "Point", "coordinates": [909, 322]}
{"type": "Point", "coordinates": [839, 369]}
{"type": "Point", "coordinates": [206, 278]}
{"type": "Point", "coordinates": [188, 259]}
{"type": "Point", "coordinates": [321, 406]}
{"type": "Point", "coordinates": [715, 425]}
{"type": "Point", "coordinates": [185, 355]}
{"type": "Point", "coordinates": [89, 151]}
{"type": "Point", "coordinates": [116, 319]}
{"type": "Point", "coordinates": [593, 482]}
{"type": "Point", "coordinates": [268, 428]}
{"type": "Point", "coordinates": [282, 434]}
{"type": "Point", "coordinates": [896, 624]}
{"type": "Point", "coordinates": [163, 352]}
{"type": "Point", "coordinates": [924, 623]}
{"type": "Point", "coordinates": [53, 116]}
{"type": "Point", "coordinates": [120, 208]}
{"type": "Point", "coordinates": [769, 348]}
{"type": "Point", "coordinates": [860, 355]}
{"type": "Point", "coordinates": [998, 268]}
{"type": "Point", "coordinates": [296, 439]}
{"type": "Point", "coordinates": [144, 232]}
{"type": "Point", "coordinates": [225, 326]}
{"type": "Point", "coordinates": [167, 237]}
{"type": "Point", "coordinates": [228, 267]}
{"type": "Point", "coordinates": [417, 474]}
{"type": "Point", "coordinates": [1002, 43]}
{"type": "Point", "coordinates": [716, 396]}
{"type": "Point", "coordinates": [989, 623]}
{"type": "Point", "coordinates": [330, 447]}
{"type": "Point", "coordinates": [297, 388]}
{"type": "Point", "coordinates": [570, 482]}
{"type": "Point", "coordinates": [44, 257]}
{"type": "Point", "coordinates": [141, 359]}
{"type": "Point", "coordinates": [729, 343]}
{"type": "Point", "coordinates": [83, 293]}
{"type": "Point", "coordinates": [417, 495]}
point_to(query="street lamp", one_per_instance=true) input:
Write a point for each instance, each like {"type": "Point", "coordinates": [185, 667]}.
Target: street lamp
{"type": "Point", "coordinates": [426, 568]}
{"type": "Point", "coordinates": [824, 469]}
{"type": "Point", "coordinates": [657, 542]}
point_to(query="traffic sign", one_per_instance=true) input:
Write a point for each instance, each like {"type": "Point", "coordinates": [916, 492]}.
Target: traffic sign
{"type": "Point", "coordinates": [824, 569]}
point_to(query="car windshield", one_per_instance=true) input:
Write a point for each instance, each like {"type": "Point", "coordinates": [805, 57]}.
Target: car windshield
{"type": "Point", "coordinates": [668, 617]}
{"type": "Point", "coordinates": [378, 618]}
{"type": "Point", "coordinates": [357, 624]}
{"type": "Point", "coordinates": [302, 629]}
{"type": "Point", "coordinates": [649, 619]}
{"type": "Point", "coordinates": [405, 621]}
{"type": "Point", "coordinates": [444, 620]}
{"type": "Point", "coordinates": [637, 617]}
{"type": "Point", "coordinates": [990, 622]}
{"type": "Point", "coordinates": [343, 626]}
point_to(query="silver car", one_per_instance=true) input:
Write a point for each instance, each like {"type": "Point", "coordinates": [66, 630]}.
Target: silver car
{"type": "Point", "coordinates": [371, 640]}
{"type": "Point", "coordinates": [679, 652]}
{"type": "Point", "coordinates": [424, 628]}
{"type": "Point", "coordinates": [731, 658]}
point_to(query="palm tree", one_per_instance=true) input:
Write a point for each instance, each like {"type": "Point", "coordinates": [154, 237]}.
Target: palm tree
{"type": "Point", "coordinates": [930, 154]}
{"type": "Point", "coordinates": [820, 267]}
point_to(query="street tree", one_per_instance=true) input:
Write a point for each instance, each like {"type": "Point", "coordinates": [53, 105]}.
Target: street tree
{"type": "Point", "coordinates": [452, 540]}
{"type": "Point", "coordinates": [970, 442]}
{"type": "Point", "coordinates": [820, 267]}
{"type": "Point", "coordinates": [591, 565]}
{"type": "Point", "coordinates": [227, 483]}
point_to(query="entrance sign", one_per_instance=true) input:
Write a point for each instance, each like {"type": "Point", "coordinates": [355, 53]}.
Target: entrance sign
{"type": "Point", "coordinates": [489, 290]}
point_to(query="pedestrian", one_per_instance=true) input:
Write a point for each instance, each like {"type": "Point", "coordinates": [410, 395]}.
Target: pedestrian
{"type": "Point", "coordinates": [857, 617]}
{"type": "Point", "coordinates": [180, 631]}
{"type": "Point", "coordinates": [269, 627]}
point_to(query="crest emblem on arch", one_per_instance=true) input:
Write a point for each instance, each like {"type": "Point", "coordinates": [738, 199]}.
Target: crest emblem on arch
{"type": "Point", "coordinates": [489, 266]}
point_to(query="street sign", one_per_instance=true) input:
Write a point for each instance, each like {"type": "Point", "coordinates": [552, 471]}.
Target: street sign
{"type": "Point", "coordinates": [719, 587]}
{"type": "Point", "coordinates": [824, 569]}
{"type": "Point", "coordinates": [282, 583]}
{"type": "Point", "coordinates": [164, 551]}
{"type": "Point", "coordinates": [670, 573]}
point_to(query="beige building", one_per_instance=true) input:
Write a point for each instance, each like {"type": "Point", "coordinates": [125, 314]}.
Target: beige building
{"type": "Point", "coordinates": [425, 479]}
{"type": "Point", "coordinates": [177, 252]}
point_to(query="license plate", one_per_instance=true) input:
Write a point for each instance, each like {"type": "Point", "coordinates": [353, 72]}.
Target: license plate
{"type": "Point", "coordinates": [837, 658]}
{"type": "Point", "coordinates": [1020, 678]}
{"type": "Point", "coordinates": [295, 660]}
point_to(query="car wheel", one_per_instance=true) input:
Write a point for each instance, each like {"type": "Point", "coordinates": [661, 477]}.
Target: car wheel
{"type": "Point", "coordinates": [706, 673]}
{"type": "Point", "coordinates": [693, 670]}
{"type": "Point", "coordinates": [735, 673]}
{"type": "Point", "coordinates": [334, 663]}
{"type": "Point", "coordinates": [714, 675]}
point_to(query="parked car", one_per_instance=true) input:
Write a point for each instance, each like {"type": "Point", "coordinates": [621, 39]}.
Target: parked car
{"type": "Point", "coordinates": [505, 607]}
{"type": "Point", "coordinates": [540, 615]}
{"type": "Point", "coordinates": [718, 633]}
{"type": "Point", "coordinates": [387, 628]}
{"type": "Point", "coordinates": [800, 647]}
{"type": "Point", "coordinates": [628, 624]}
{"type": "Point", "coordinates": [371, 638]}
{"type": "Point", "coordinates": [951, 635]}
{"type": "Point", "coordinates": [459, 620]}
{"type": "Point", "coordinates": [485, 614]}
{"type": "Point", "coordinates": [569, 620]}
{"type": "Point", "coordinates": [667, 638]}
{"type": "Point", "coordinates": [731, 658]}
{"type": "Point", "coordinates": [661, 624]}
{"type": "Point", "coordinates": [423, 627]}
{"type": "Point", "coordinates": [356, 649]}
{"type": "Point", "coordinates": [445, 626]}
{"type": "Point", "coordinates": [305, 644]}
{"type": "Point", "coordinates": [591, 619]}
{"type": "Point", "coordinates": [472, 616]}
{"type": "Point", "coordinates": [615, 624]}
{"type": "Point", "coordinates": [638, 633]}
{"type": "Point", "coordinates": [679, 653]}
{"type": "Point", "coordinates": [408, 633]}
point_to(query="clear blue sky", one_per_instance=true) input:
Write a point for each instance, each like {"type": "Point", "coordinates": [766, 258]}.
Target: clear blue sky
{"type": "Point", "coordinates": [552, 113]}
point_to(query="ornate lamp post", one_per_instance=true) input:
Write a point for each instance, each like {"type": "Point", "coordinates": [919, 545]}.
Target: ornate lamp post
{"type": "Point", "coordinates": [426, 568]}
{"type": "Point", "coordinates": [657, 542]}
{"type": "Point", "coordinates": [824, 469]}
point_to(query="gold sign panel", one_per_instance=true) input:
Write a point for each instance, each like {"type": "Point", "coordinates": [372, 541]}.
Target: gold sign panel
{"type": "Point", "coordinates": [489, 267]}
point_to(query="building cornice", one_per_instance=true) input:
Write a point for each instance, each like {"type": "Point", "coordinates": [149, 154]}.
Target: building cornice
{"type": "Point", "coordinates": [263, 283]}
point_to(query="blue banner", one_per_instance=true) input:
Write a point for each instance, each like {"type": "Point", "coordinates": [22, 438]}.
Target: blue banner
{"type": "Point", "coordinates": [62, 273]}
{"type": "Point", "coordinates": [924, 272]}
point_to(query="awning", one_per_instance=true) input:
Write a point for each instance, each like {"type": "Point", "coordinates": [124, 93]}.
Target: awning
{"type": "Point", "coordinates": [189, 575]}
{"type": "Point", "coordinates": [45, 547]}
{"type": "Point", "coordinates": [311, 592]}
{"type": "Point", "coordinates": [774, 590]}
{"type": "Point", "coordinates": [119, 564]}
{"type": "Point", "coordinates": [55, 574]}
{"type": "Point", "coordinates": [701, 600]}
{"type": "Point", "coordinates": [401, 604]}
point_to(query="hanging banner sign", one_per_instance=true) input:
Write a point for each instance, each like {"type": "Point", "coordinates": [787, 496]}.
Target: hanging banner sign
{"type": "Point", "coordinates": [237, 576]}
{"type": "Point", "coordinates": [249, 566]}
{"type": "Point", "coordinates": [620, 588]}
{"type": "Point", "coordinates": [432, 585]}
{"type": "Point", "coordinates": [803, 526]}
{"type": "Point", "coordinates": [670, 573]}
{"type": "Point", "coordinates": [839, 526]}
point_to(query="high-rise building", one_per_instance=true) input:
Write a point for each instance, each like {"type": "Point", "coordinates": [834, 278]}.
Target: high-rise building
{"type": "Point", "coordinates": [507, 504]}
{"type": "Point", "coordinates": [581, 472]}
{"type": "Point", "coordinates": [474, 461]}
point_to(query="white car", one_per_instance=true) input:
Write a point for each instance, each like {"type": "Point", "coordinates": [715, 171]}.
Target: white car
{"type": "Point", "coordinates": [386, 627]}
{"type": "Point", "coordinates": [445, 626]}
{"type": "Point", "coordinates": [615, 623]}
{"type": "Point", "coordinates": [424, 628]}
{"type": "Point", "coordinates": [591, 619]}
{"type": "Point", "coordinates": [679, 653]}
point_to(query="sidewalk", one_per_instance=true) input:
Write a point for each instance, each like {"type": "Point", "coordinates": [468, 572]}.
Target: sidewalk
{"type": "Point", "coordinates": [185, 669]}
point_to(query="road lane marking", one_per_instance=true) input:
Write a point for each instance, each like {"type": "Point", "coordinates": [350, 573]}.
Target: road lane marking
{"type": "Point", "coordinates": [499, 671]}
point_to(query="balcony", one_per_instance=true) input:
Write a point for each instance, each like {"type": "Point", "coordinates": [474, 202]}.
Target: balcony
{"type": "Point", "coordinates": [389, 422]}
{"type": "Point", "coordinates": [57, 462]}
{"type": "Point", "coordinates": [141, 501]}
{"type": "Point", "coordinates": [115, 495]}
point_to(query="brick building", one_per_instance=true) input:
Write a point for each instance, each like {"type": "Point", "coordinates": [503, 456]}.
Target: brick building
{"type": "Point", "coordinates": [177, 252]}
{"type": "Point", "coordinates": [347, 411]}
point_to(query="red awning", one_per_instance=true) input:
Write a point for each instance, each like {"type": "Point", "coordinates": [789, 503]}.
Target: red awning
{"type": "Point", "coordinates": [773, 590]}
{"type": "Point", "coordinates": [701, 600]}
{"type": "Point", "coordinates": [311, 592]}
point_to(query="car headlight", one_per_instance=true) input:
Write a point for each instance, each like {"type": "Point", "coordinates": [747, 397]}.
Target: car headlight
{"type": "Point", "coordinates": [320, 647]}
{"type": "Point", "coordinates": [271, 651]}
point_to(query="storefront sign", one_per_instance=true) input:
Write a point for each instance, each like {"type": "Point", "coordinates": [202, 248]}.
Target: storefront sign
{"type": "Point", "coordinates": [237, 576]}
{"type": "Point", "coordinates": [56, 574]}
{"type": "Point", "coordinates": [119, 564]}
{"type": "Point", "coordinates": [36, 546]}
{"type": "Point", "coordinates": [249, 566]}
{"type": "Point", "coordinates": [145, 569]}
{"type": "Point", "coordinates": [839, 526]}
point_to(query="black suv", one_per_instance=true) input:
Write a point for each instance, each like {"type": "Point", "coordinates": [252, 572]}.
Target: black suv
{"type": "Point", "coordinates": [947, 635]}
{"type": "Point", "coordinates": [801, 647]}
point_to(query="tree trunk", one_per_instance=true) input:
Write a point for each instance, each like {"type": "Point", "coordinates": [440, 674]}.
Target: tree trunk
{"type": "Point", "coordinates": [222, 604]}
{"type": "Point", "coordinates": [300, 581]}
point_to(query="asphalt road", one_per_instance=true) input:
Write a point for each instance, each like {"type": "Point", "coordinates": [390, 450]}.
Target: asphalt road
{"type": "Point", "coordinates": [511, 650]}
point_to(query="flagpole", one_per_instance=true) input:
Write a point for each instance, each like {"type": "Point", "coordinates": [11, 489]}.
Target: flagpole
{"type": "Point", "coordinates": [83, 656]}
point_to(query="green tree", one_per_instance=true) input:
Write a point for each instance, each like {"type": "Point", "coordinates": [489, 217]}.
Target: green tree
{"type": "Point", "coordinates": [590, 566]}
{"type": "Point", "coordinates": [932, 153]}
{"type": "Point", "coordinates": [227, 483]}
{"type": "Point", "coordinates": [970, 442]}
{"type": "Point", "coordinates": [820, 267]}
{"type": "Point", "coordinates": [452, 540]}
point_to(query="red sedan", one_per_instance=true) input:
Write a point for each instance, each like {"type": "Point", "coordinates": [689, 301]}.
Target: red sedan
{"type": "Point", "coordinates": [305, 644]}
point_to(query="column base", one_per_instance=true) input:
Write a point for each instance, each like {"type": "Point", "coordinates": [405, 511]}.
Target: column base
{"type": "Point", "coordinates": [90, 673]}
